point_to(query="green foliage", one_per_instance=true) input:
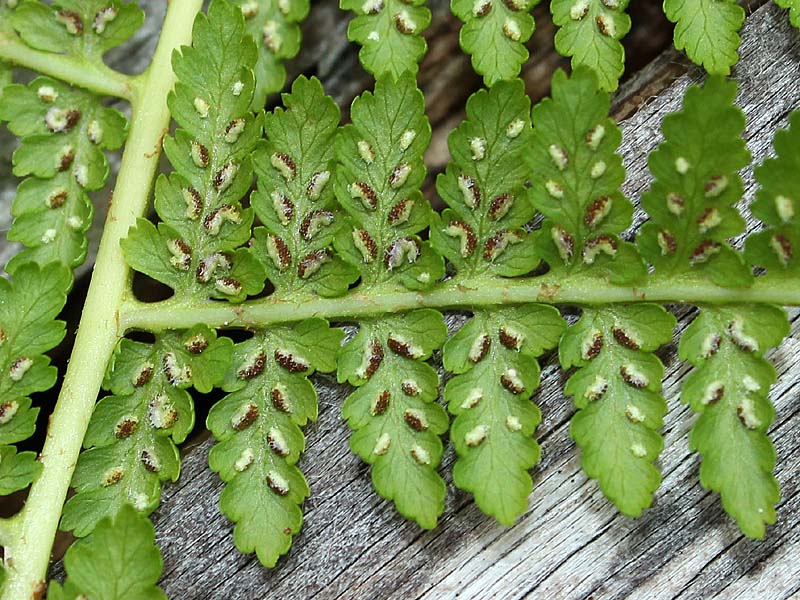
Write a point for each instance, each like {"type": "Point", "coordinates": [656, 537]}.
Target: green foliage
{"type": "Point", "coordinates": [590, 32]}
{"type": "Point", "coordinates": [394, 413]}
{"type": "Point", "coordinates": [63, 132]}
{"type": "Point", "coordinates": [28, 307]}
{"type": "Point", "coordinates": [132, 437]}
{"type": "Point", "coordinates": [776, 204]}
{"type": "Point", "coordinates": [196, 249]}
{"type": "Point", "coordinates": [794, 10]}
{"type": "Point", "coordinates": [617, 391]}
{"type": "Point", "coordinates": [82, 28]}
{"type": "Point", "coordinates": [576, 179]}
{"type": "Point", "coordinates": [708, 31]}
{"type": "Point", "coordinates": [697, 181]}
{"type": "Point", "coordinates": [482, 232]}
{"type": "Point", "coordinates": [120, 561]}
{"type": "Point", "coordinates": [378, 181]}
{"type": "Point", "coordinates": [494, 358]}
{"type": "Point", "coordinates": [389, 34]}
{"type": "Point", "coordinates": [494, 34]}
{"type": "Point", "coordinates": [258, 428]}
{"type": "Point", "coordinates": [275, 27]}
{"type": "Point", "coordinates": [300, 213]}
{"type": "Point", "coordinates": [729, 389]}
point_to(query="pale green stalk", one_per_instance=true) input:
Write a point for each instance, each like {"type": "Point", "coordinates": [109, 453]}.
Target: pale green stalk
{"type": "Point", "coordinates": [458, 294]}
{"type": "Point", "coordinates": [28, 556]}
{"type": "Point", "coordinates": [92, 75]}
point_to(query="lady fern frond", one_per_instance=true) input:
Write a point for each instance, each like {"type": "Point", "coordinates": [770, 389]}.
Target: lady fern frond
{"type": "Point", "coordinates": [390, 34]}
{"type": "Point", "coordinates": [708, 30]}
{"type": "Point", "coordinates": [590, 32]}
{"type": "Point", "coordinates": [794, 10]}
{"type": "Point", "coordinates": [63, 132]}
{"type": "Point", "coordinates": [258, 427]}
{"type": "Point", "coordinates": [494, 35]}
{"type": "Point", "coordinates": [275, 25]}
{"type": "Point", "coordinates": [300, 214]}
{"type": "Point", "coordinates": [577, 175]}
{"type": "Point", "coordinates": [345, 235]}
{"type": "Point", "coordinates": [197, 249]}
{"type": "Point", "coordinates": [697, 181]}
{"type": "Point", "coordinates": [131, 443]}
{"type": "Point", "coordinates": [777, 247]}
{"type": "Point", "coordinates": [29, 305]}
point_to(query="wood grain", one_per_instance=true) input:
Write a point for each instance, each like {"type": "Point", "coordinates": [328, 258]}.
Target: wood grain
{"type": "Point", "coordinates": [570, 544]}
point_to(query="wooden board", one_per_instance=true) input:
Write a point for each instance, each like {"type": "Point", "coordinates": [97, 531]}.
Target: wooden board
{"type": "Point", "coordinates": [571, 543]}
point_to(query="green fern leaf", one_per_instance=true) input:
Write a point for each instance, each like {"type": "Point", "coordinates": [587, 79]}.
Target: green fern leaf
{"type": "Point", "coordinates": [17, 470]}
{"type": "Point", "coordinates": [576, 179]}
{"type": "Point", "coordinates": [275, 27]}
{"type": "Point", "coordinates": [300, 214]}
{"type": "Point", "coordinates": [729, 389]}
{"type": "Point", "coordinates": [389, 34]}
{"type": "Point", "coordinates": [393, 414]}
{"type": "Point", "coordinates": [63, 132]}
{"type": "Point", "coordinates": [697, 181]}
{"type": "Point", "coordinates": [29, 305]}
{"type": "Point", "coordinates": [777, 203]}
{"type": "Point", "coordinates": [258, 428]}
{"type": "Point", "coordinates": [590, 32]}
{"type": "Point", "coordinates": [482, 231]}
{"type": "Point", "coordinates": [86, 28]}
{"type": "Point", "coordinates": [196, 250]}
{"type": "Point", "coordinates": [378, 181]}
{"type": "Point", "coordinates": [494, 356]}
{"type": "Point", "coordinates": [494, 35]}
{"type": "Point", "coordinates": [794, 10]}
{"type": "Point", "coordinates": [617, 393]}
{"type": "Point", "coordinates": [708, 31]}
{"type": "Point", "coordinates": [120, 561]}
{"type": "Point", "coordinates": [132, 437]}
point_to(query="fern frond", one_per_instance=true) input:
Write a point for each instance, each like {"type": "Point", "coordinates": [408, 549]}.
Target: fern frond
{"type": "Point", "coordinates": [378, 181]}
{"type": "Point", "coordinates": [494, 356]}
{"type": "Point", "coordinates": [63, 132]}
{"type": "Point", "coordinates": [617, 391]}
{"type": "Point", "coordinates": [29, 305]}
{"type": "Point", "coordinates": [394, 414]}
{"type": "Point", "coordinates": [577, 175]}
{"type": "Point", "coordinates": [275, 27]}
{"type": "Point", "coordinates": [131, 440]}
{"type": "Point", "coordinates": [794, 10]}
{"type": "Point", "coordinates": [777, 204]}
{"type": "Point", "coordinates": [300, 213]}
{"type": "Point", "coordinates": [729, 387]}
{"type": "Point", "coordinates": [82, 28]}
{"type": "Point", "coordinates": [258, 428]}
{"type": "Point", "coordinates": [494, 35]}
{"type": "Point", "coordinates": [389, 32]}
{"type": "Point", "coordinates": [697, 181]}
{"type": "Point", "coordinates": [119, 562]}
{"type": "Point", "coordinates": [481, 232]}
{"type": "Point", "coordinates": [708, 30]}
{"type": "Point", "coordinates": [196, 250]}
{"type": "Point", "coordinates": [590, 32]}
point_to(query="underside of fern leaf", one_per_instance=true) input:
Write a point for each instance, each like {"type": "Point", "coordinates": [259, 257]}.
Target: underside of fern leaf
{"type": "Point", "coordinates": [708, 31]}
{"type": "Point", "coordinates": [590, 32]}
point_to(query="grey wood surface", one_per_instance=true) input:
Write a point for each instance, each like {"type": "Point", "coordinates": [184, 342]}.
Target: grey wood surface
{"type": "Point", "coordinates": [571, 543]}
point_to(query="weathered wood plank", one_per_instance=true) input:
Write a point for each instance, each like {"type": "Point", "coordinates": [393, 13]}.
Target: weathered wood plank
{"type": "Point", "coordinates": [571, 543]}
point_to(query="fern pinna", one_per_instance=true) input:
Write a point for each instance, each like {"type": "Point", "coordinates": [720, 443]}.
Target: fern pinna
{"type": "Point", "coordinates": [313, 246]}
